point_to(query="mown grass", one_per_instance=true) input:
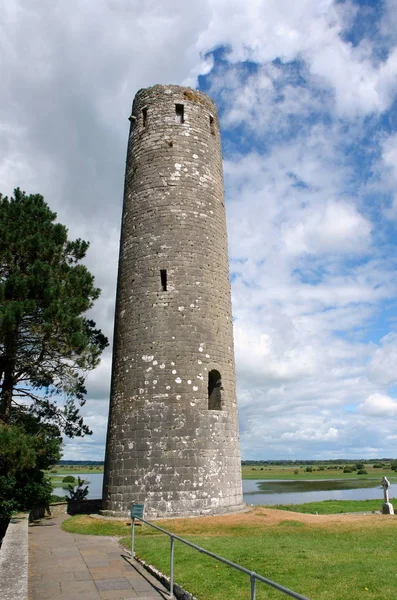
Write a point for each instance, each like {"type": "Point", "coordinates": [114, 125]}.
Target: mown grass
{"type": "Point", "coordinates": [322, 565]}
{"type": "Point", "coordinates": [332, 507]}
{"type": "Point", "coordinates": [91, 526]}
{"type": "Point", "coordinates": [335, 560]}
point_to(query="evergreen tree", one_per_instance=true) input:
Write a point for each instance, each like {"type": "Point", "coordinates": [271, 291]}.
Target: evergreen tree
{"type": "Point", "coordinates": [27, 448]}
{"type": "Point", "coordinates": [47, 344]}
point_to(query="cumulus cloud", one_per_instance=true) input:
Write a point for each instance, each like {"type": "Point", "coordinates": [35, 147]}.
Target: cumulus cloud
{"type": "Point", "coordinates": [306, 102]}
{"type": "Point", "coordinates": [315, 34]}
{"type": "Point", "coordinates": [331, 434]}
{"type": "Point", "coordinates": [336, 227]}
{"type": "Point", "coordinates": [379, 405]}
{"type": "Point", "coordinates": [383, 365]}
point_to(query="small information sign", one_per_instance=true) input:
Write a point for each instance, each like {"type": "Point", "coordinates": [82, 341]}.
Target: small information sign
{"type": "Point", "coordinates": [137, 510]}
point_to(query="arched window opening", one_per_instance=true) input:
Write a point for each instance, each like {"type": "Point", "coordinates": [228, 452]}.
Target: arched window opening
{"type": "Point", "coordinates": [214, 390]}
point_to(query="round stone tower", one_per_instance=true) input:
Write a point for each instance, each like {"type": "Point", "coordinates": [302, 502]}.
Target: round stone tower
{"type": "Point", "coordinates": [173, 431]}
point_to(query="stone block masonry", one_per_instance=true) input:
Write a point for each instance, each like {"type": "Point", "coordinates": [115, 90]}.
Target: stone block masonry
{"type": "Point", "coordinates": [173, 429]}
{"type": "Point", "coordinates": [14, 560]}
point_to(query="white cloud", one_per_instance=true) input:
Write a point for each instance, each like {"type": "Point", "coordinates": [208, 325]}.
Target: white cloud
{"type": "Point", "coordinates": [336, 227]}
{"type": "Point", "coordinates": [387, 173]}
{"type": "Point", "coordinates": [383, 365]}
{"type": "Point", "coordinates": [379, 405]}
{"type": "Point", "coordinates": [312, 32]}
{"type": "Point", "coordinates": [311, 271]}
{"type": "Point", "coordinates": [331, 434]}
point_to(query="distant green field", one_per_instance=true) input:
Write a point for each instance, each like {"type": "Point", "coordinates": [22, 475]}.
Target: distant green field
{"type": "Point", "coordinates": [288, 472]}
{"type": "Point", "coordinates": [76, 469]}
{"type": "Point", "coordinates": [296, 472]}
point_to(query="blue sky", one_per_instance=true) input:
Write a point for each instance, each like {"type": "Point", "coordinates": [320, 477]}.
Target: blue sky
{"type": "Point", "coordinates": [307, 95]}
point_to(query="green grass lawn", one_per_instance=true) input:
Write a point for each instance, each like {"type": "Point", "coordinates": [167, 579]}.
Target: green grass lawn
{"type": "Point", "coordinates": [339, 558]}
{"type": "Point", "coordinates": [333, 507]}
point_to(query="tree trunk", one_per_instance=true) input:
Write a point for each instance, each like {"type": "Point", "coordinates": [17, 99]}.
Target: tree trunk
{"type": "Point", "coordinates": [8, 372]}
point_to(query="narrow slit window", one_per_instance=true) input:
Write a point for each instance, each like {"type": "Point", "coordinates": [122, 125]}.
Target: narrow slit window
{"type": "Point", "coordinates": [179, 113]}
{"type": "Point", "coordinates": [163, 279]}
{"type": "Point", "coordinates": [144, 117]}
{"type": "Point", "coordinates": [212, 125]}
{"type": "Point", "coordinates": [214, 390]}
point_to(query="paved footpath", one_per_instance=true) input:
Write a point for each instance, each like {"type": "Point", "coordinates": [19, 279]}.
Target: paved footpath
{"type": "Point", "coordinates": [67, 566]}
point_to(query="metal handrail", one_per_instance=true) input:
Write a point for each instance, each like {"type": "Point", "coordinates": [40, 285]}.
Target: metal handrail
{"type": "Point", "coordinates": [252, 575]}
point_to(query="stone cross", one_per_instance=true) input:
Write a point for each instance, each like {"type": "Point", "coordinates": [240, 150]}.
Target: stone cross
{"type": "Point", "coordinates": [387, 506]}
{"type": "Point", "coordinates": [385, 484]}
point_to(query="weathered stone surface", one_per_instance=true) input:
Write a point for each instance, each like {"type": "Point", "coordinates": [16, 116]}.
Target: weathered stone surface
{"type": "Point", "coordinates": [14, 560]}
{"type": "Point", "coordinates": [387, 508]}
{"type": "Point", "coordinates": [165, 447]}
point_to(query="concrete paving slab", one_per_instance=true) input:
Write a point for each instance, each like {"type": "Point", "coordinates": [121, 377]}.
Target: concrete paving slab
{"type": "Point", "coordinates": [82, 575]}
{"type": "Point", "coordinates": [65, 566]}
{"type": "Point", "coordinates": [113, 583]}
{"type": "Point", "coordinates": [114, 595]}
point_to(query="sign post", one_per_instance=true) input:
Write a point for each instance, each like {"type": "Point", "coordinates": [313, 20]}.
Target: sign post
{"type": "Point", "coordinates": [137, 510]}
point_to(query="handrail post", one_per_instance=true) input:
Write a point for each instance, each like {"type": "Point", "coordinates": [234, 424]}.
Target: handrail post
{"type": "Point", "coordinates": [253, 586]}
{"type": "Point", "coordinates": [132, 537]}
{"type": "Point", "coordinates": [172, 566]}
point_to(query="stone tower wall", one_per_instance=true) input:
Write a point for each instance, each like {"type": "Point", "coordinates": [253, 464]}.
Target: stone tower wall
{"type": "Point", "coordinates": [173, 324]}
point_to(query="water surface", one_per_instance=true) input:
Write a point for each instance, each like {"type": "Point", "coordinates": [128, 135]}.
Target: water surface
{"type": "Point", "coordinates": [271, 492]}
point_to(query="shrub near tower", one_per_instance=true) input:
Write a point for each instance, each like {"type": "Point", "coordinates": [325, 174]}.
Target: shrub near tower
{"type": "Point", "coordinates": [173, 428]}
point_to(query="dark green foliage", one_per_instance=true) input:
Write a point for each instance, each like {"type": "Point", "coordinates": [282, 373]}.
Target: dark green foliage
{"type": "Point", "coordinates": [47, 345]}
{"type": "Point", "coordinates": [56, 498]}
{"type": "Point", "coordinates": [394, 466]}
{"type": "Point", "coordinates": [348, 470]}
{"type": "Point", "coordinates": [69, 479]}
{"type": "Point", "coordinates": [27, 448]}
{"type": "Point", "coordinates": [79, 492]}
{"type": "Point", "coordinates": [309, 469]}
{"type": "Point", "coordinates": [359, 466]}
{"type": "Point", "coordinates": [362, 472]}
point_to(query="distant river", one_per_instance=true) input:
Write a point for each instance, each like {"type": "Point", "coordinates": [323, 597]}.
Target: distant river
{"type": "Point", "coordinates": [266, 491]}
